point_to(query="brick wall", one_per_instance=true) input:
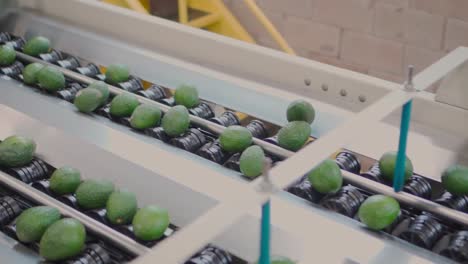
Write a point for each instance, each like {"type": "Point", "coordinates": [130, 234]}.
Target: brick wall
{"type": "Point", "coordinates": [376, 37]}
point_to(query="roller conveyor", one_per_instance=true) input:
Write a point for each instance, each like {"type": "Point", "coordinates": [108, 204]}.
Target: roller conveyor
{"type": "Point", "coordinates": [445, 233]}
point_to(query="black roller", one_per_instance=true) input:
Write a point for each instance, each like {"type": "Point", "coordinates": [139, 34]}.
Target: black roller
{"type": "Point", "coordinates": [93, 254]}
{"type": "Point", "coordinates": [454, 246]}
{"type": "Point", "coordinates": [90, 70]}
{"type": "Point", "coordinates": [226, 119]}
{"type": "Point", "coordinates": [272, 140]}
{"type": "Point", "coordinates": [70, 92]}
{"type": "Point", "coordinates": [348, 161]}
{"type": "Point", "coordinates": [155, 93]}
{"type": "Point", "coordinates": [191, 141]}
{"type": "Point", "coordinates": [423, 231]}
{"type": "Point", "coordinates": [17, 43]}
{"type": "Point", "coordinates": [459, 203]}
{"type": "Point", "coordinates": [213, 151]}
{"type": "Point", "coordinates": [70, 63]}
{"type": "Point", "coordinates": [9, 210]}
{"type": "Point", "coordinates": [374, 174]}
{"type": "Point", "coordinates": [168, 101]}
{"type": "Point", "coordinates": [132, 86]}
{"type": "Point", "coordinates": [124, 121]}
{"type": "Point", "coordinates": [158, 133]}
{"type": "Point", "coordinates": [257, 128]}
{"type": "Point", "coordinates": [98, 215]}
{"type": "Point", "coordinates": [14, 70]}
{"type": "Point", "coordinates": [36, 170]}
{"type": "Point", "coordinates": [233, 162]}
{"type": "Point", "coordinates": [304, 190]}
{"type": "Point", "coordinates": [418, 186]}
{"type": "Point", "coordinates": [51, 57]}
{"type": "Point", "coordinates": [211, 255]}
{"type": "Point", "coordinates": [346, 201]}
{"type": "Point", "coordinates": [4, 37]}
{"type": "Point", "coordinates": [202, 110]}
{"type": "Point", "coordinates": [43, 186]}
{"type": "Point", "coordinates": [70, 200]}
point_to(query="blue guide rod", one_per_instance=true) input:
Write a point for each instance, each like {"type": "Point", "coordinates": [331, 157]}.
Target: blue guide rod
{"type": "Point", "coordinates": [267, 187]}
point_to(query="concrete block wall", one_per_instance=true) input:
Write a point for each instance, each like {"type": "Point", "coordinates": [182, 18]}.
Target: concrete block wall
{"type": "Point", "coordinates": [375, 37]}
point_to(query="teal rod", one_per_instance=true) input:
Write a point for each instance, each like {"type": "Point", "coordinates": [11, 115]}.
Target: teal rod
{"type": "Point", "coordinates": [399, 176]}
{"type": "Point", "coordinates": [265, 235]}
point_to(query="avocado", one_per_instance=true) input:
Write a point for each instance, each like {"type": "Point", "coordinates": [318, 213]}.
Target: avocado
{"type": "Point", "coordinates": [51, 79]}
{"type": "Point", "coordinates": [251, 161]}
{"type": "Point", "coordinates": [62, 240]}
{"type": "Point", "coordinates": [301, 110]}
{"type": "Point", "coordinates": [93, 194]}
{"type": "Point", "coordinates": [379, 211]}
{"type": "Point", "coordinates": [103, 88]}
{"type": "Point", "coordinates": [145, 116]}
{"type": "Point", "coordinates": [121, 207]}
{"type": "Point", "coordinates": [387, 165]}
{"type": "Point", "coordinates": [65, 180]}
{"type": "Point", "coordinates": [36, 46]}
{"type": "Point", "coordinates": [280, 260]}
{"type": "Point", "coordinates": [87, 100]}
{"type": "Point", "coordinates": [16, 151]}
{"type": "Point", "coordinates": [187, 96]}
{"type": "Point", "coordinates": [326, 177]}
{"type": "Point", "coordinates": [176, 121]}
{"type": "Point", "coordinates": [123, 105]}
{"type": "Point", "coordinates": [150, 223]}
{"type": "Point", "coordinates": [117, 73]}
{"type": "Point", "coordinates": [7, 55]}
{"type": "Point", "coordinates": [455, 180]}
{"type": "Point", "coordinates": [235, 139]}
{"type": "Point", "coordinates": [33, 222]}
{"type": "Point", "coordinates": [30, 73]}
{"type": "Point", "coordinates": [294, 135]}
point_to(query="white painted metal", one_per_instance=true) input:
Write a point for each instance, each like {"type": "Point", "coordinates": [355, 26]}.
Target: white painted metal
{"type": "Point", "coordinates": [454, 90]}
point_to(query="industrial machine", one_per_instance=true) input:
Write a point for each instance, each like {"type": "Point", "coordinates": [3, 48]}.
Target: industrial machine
{"type": "Point", "coordinates": [215, 212]}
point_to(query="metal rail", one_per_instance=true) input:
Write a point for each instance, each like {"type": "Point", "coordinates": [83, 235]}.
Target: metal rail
{"type": "Point", "coordinates": [123, 242]}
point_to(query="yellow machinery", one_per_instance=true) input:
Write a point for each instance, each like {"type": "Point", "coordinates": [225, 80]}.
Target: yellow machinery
{"type": "Point", "coordinates": [217, 18]}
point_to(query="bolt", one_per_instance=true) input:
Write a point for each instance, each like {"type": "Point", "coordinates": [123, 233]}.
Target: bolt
{"type": "Point", "coordinates": [362, 98]}
{"type": "Point", "coordinates": [324, 87]}
{"type": "Point", "coordinates": [307, 82]}
{"type": "Point", "coordinates": [343, 92]}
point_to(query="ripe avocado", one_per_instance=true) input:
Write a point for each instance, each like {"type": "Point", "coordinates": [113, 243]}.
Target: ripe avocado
{"type": "Point", "coordinates": [103, 88]}
{"type": "Point", "coordinates": [379, 211]}
{"type": "Point", "coordinates": [87, 100]}
{"type": "Point", "coordinates": [176, 121]}
{"type": "Point", "coordinates": [301, 110]}
{"type": "Point", "coordinates": [251, 161]}
{"type": "Point", "coordinates": [30, 73]}
{"type": "Point", "coordinates": [187, 96]}
{"type": "Point", "coordinates": [145, 116]}
{"type": "Point", "coordinates": [16, 151]}
{"type": "Point", "coordinates": [93, 194]}
{"type": "Point", "coordinates": [455, 179]}
{"type": "Point", "coordinates": [235, 139]}
{"type": "Point", "coordinates": [117, 73]}
{"type": "Point", "coordinates": [121, 207]}
{"type": "Point", "coordinates": [294, 135]}
{"type": "Point", "coordinates": [150, 223]}
{"type": "Point", "coordinates": [63, 239]}
{"type": "Point", "coordinates": [326, 177]}
{"type": "Point", "coordinates": [123, 105]}
{"type": "Point", "coordinates": [387, 165]}
{"type": "Point", "coordinates": [51, 79]}
{"type": "Point", "coordinates": [36, 46]}
{"type": "Point", "coordinates": [65, 180]}
{"type": "Point", "coordinates": [7, 55]}
{"type": "Point", "coordinates": [33, 222]}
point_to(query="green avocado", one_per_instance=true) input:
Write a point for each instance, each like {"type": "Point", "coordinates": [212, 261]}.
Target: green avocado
{"type": "Point", "coordinates": [379, 211]}
{"type": "Point", "coordinates": [51, 79]}
{"type": "Point", "coordinates": [33, 222]}
{"type": "Point", "coordinates": [251, 161]}
{"type": "Point", "coordinates": [117, 73]}
{"type": "Point", "coordinates": [150, 223]}
{"type": "Point", "coordinates": [87, 100]}
{"type": "Point", "coordinates": [36, 46]}
{"type": "Point", "coordinates": [301, 110]}
{"type": "Point", "coordinates": [93, 194]}
{"type": "Point", "coordinates": [30, 73]}
{"type": "Point", "coordinates": [65, 180]}
{"type": "Point", "coordinates": [121, 207]}
{"type": "Point", "coordinates": [7, 55]}
{"type": "Point", "coordinates": [387, 165]}
{"type": "Point", "coordinates": [123, 105]}
{"type": "Point", "coordinates": [103, 88]}
{"type": "Point", "coordinates": [62, 240]}
{"type": "Point", "coordinates": [145, 116]}
{"type": "Point", "coordinates": [235, 139]}
{"type": "Point", "coordinates": [176, 121]}
{"type": "Point", "coordinates": [16, 151]}
{"type": "Point", "coordinates": [326, 177]}
{"type": "Point", "coordinates": [455, 180]}
{"type": "Point", "coordinates": [187, 96]}
{"type": "Point", "coordinates": [294, 135]}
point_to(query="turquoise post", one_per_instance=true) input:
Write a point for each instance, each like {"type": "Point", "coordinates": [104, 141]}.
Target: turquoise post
{"type": "Point", "coordinates": [399, 176]}
{"type": "Point", "coordinates": [265, 235]}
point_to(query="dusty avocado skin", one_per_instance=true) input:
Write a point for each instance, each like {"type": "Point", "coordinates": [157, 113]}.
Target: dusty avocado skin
{"type": "Point", "coordinates": [387, 165]}
{"type": "Point", "coordinates": [150, 223]}
{"type": "Point", "coordinates": [176, 121]}
{"type": "Point", "coordinates": [235, 139]}
{"type": "Point", "coordinates": [65, 180]}
{"type": "Point", "coordinates": [36, 46]}
{"type": "Point", "coordinates": [121, 207]}
{"type": "Point", "coordinates": [33, 222]}
{"type": "Point", "coordinates": [117, 73]}
{"type": "Point", "coordinates": [326, 177]}
{"type": "Point", "coordinates": [251, 161]}
{"type": "Point", "coordinates": [294, 135]}
{"type": "Point", "coordinates": [123, 105]}
{"type": "Point", "coordinates": [51, 79]}
{"type": "Point", "coordinates": [300, 110]}
{"type": "Point", "coordinates": [87, 100]}
{"type": "Point", "coordinates": [62, 240]}
{"type": "Point", "coordinates": [145, 116]}
{"type": "Point", "coordinates": [102, 88]}
{"type": "Point", "coordinates": [379, 211]}
{"type": "Point", "coordinates": [93, 193]}
{"type": "Point", "coordinates": [30, 73]}
{"type": "Point", "coordinates": [187, 96]}
{"type": "Point", "coordinates": [455, 180]}
{"type": "Point", "coordinates": [7, 55]}
{"type": "Point", "coordinates": [16, 151]}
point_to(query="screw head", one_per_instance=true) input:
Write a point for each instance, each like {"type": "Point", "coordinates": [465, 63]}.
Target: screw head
{"type": "Point", "coordinates": [362, 98]}
{"type": "Point", "coordinates": [307, 82]}
{"type": "Point", "coordinates": [324, 87]}
{"type": "Point", "coordinates": [343, 92]}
